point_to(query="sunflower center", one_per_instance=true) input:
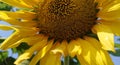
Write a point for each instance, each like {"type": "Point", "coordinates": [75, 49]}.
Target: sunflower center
{"type": "Point", "coordinates": [66, 19]}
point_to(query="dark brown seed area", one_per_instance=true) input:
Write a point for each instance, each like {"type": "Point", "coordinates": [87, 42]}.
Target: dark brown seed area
{"type": "Point", "coordinates": [66, 19]}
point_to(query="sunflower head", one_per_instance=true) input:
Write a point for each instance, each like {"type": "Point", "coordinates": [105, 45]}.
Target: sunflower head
{"type": "Point", "coordinates": [66, 19]}
{"type": "Point", "coordinates": [57, 28]}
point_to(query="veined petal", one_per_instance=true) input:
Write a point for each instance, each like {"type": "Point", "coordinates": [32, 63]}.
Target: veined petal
{"type": "Point", "coordinates": [62, 48]}
{"type": "Point", "coordinates": [10, 40]}
{"type": "Point", "coordinates": [18, 23]}
{"type": "Point", "coordinates": [51, 59]}
{"type": "Point", "coordinates": [28, 53]}
{"type": "Point", "coordinates": [109, 15]}
{"type": "Point", "coordinates": [110, 11]}
{"type": "Point", "coordinates": [26, 31]}
{"type": "Point", "coordinates": [94, 42]}
{"type": "Point", "coordinates": [91, 55]}
{"type": "Point", "coordinates": [31, 2]}
{"type": "Point", "coordinates": [18, 15]}
{"type": "Point", "coordinates": [37, 1]}
{"type": "Point", "coordinates": [113, 25]}
{"type": "Point", "coordinates": [104, 57]}
{"type": "Point", "coordinates": [17, 3]}
{"type": "Point", "coordinates": [105, 36]}
{"type": "Point", "coordinates": [5, 17]}
{"type": "Point", "coordinates": [4, 27]}
{"type": "Point", "coordinates": [112, 5]}
{"type": "Point", "coordinates": [29, 40]}
{"type": "Point", "coordinates": [74, 48]}
{"type": "Point", "coordinates": [41, 53]}
{"type": "Point", "coordinates": [32, 40]}
{"type": "Point", "coordinates": [103, 3]}
{"type": "Point", "coordinates": [82, 60]}
{"type": "Point", "coordinates": [16, 36]}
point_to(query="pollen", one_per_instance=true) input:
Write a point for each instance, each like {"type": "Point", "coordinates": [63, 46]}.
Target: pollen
{"type": "Point", "coordinates": [66, 19]}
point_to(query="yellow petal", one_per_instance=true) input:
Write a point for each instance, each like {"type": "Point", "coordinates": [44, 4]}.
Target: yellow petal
{"type": "Point", "coordinates": [103, 3]}
{"type": "Point", "coordinates": [4, 27]}
{"type": "Point", "coordinates": [31, 2]}
{"type": "Point", "coordinates": [5, 17]}
{"type": "Point", "coordinates": [105, 36]}
{"type": "Point", "coordinates": [51, 59]}
{"type": "Point", "coordinates": [62, 48]}
{"type": "Point", "coordinates": [114, 25]}
{"type": "Point", "coordinates": [91, 55]}
{"type": "Point", "coordinates": [10, 40]}
{"type": "Point", "coordinates": [104, 57]}
{"type": "Point", "coordinates": [18, 15]}
{"type": "Point", "coordinates": [41, 53]}
{"type": "Point", "coordinates": [74, 48]}
{"type": "Point", "coordinates": [17, 35]}
{"type": "Point", "coordinates": [17, 3]}
{"type": "Point", "coordinates": [26, 31]}
{"type": "Point", "coordinates": [109, 15]}
{"type": "Point", "coordinates": [94, 42]}
{"type": "Point", "coordinates": [111, 11]}
{"type": "Point", "coordinates": [21, 34]}
{"type": "Point", "coordinates": [82, 60]}
{"type": "Point", "coordinates": [29, 40]}
{"type": "Point", "coordinates": [28, 53]}
{"type": "Point", "coordinates": [114, 8]}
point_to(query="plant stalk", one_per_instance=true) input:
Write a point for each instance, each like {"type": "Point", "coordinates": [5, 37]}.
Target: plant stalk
{"type": "Point", "coordinates": [67, 60]}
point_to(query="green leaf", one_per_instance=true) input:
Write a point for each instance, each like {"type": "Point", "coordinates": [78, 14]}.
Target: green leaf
{"type": "Point", "coordinates": [72, 61]}
{"type": "Point", "coordinates": [3, 55]}
{"type": "Point", "coordinates": [117, 53]}
{"type": "Point", "coordinates": [21, 48]}
{"type": "Point", "coordinates": [93, 35]}
{"type": "Point", "coordinates": [8, 61]}
{"type": "Point", "coordinates": [117, 45]}
{"type": "Point", "coordinates": [4, 6]}
{"type": "Point", "coordinates": [1, 40]}
{"type": "Point", "coordinates": [14, 50]}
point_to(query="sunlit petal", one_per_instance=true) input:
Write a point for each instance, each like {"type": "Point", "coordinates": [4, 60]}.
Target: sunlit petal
{"type": "Point", "coordinates": [105, 36]}
{"type": "Point", "coordinates": [28, 53]}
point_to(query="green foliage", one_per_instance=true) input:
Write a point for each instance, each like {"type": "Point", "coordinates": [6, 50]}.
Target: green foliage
{"type": "Point", "coordinates": [3, 55]}
{"type": "Point", "coordinates": [21, 48]}
{"type": "Point", "coordinates": [1, 40]}
{"type": "Point", "coordinates": [117, 53]}
{"type": "Point", "coordinates": [5, 60]}
{"type": "Point", "coordinates": [93, 35]}
{"type": "Point", "coordinates": [117, 45]}
{"type": "Point", "coordinates": [4, 6]}
{"type": "Point", "coordinates": [8, 61]}
{"type": "Point", "coordinates": [71, 61]}
{"type": "Point", "coordinates": [74, 61]}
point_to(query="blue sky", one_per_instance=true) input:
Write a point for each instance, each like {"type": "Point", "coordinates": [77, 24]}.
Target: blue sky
{"type": "Point", "coordinates": [5, 34]}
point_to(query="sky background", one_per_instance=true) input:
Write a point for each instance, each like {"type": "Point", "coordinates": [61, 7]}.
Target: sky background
{"type": "Point", "coordinates": [5, 34]}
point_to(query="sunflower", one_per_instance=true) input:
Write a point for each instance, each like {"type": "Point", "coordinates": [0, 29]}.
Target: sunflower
{"type": "Point", "coordinates": [58, 28]}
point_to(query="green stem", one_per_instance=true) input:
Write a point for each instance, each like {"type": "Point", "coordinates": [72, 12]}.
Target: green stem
{"type": "Point", "coordinates": [67, 60]}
